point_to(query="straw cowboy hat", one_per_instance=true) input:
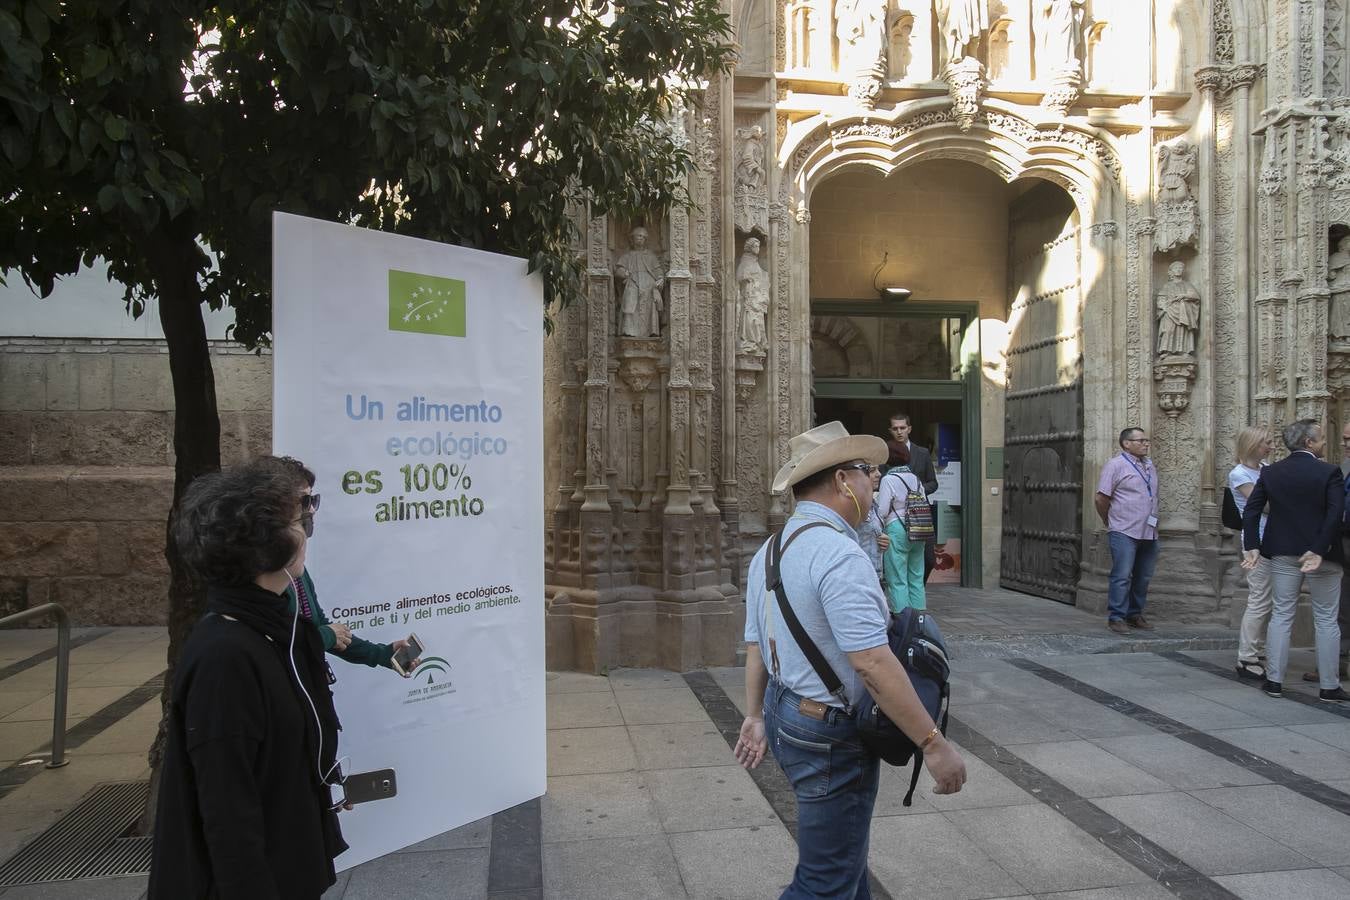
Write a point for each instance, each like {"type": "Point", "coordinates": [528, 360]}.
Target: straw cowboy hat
{"type": "Point", "coordinates": [825, 446]}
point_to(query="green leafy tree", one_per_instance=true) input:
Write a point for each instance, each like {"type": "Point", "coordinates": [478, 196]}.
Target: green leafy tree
{"type": "Point", "coordinates": [142, 132]}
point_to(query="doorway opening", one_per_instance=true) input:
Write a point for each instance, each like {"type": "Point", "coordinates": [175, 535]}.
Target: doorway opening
{"type": "Point", "coordinates": [857, 352]}
{"type": "Point", "coordinates": [987, 356]}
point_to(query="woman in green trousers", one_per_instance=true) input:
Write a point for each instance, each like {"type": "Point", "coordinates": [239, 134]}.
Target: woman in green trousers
{"type": "Point", "coordinates": [903, 562]}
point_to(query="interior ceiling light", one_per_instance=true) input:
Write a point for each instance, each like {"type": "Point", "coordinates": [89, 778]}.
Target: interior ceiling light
{"type": "Point", "coordinates": [889, 292]}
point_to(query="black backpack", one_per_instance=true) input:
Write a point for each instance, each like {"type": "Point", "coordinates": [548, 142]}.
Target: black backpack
{"type": "Point", "coordinates": [914, 641]}
{"type": "Point", "coordinates": [1231, 517]}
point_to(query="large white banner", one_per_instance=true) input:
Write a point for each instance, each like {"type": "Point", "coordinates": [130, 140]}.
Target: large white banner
{"type": "Point", "coordinates": [408, 375]}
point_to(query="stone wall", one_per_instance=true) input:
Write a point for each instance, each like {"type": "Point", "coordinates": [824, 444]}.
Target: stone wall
{"type": "Point", "coordinates": [86, 469]}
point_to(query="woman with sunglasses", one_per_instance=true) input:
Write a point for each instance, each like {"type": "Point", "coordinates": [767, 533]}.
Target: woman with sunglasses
{"type": "Point", "coordinates": [337, 638]}
{"type": "Point", "coordinates": [245, 807]}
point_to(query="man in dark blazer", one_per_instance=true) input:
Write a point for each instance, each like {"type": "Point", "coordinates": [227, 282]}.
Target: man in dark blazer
{"type": "Point", "coordinates": [1302, 540]}
{"type": "Point", "coordinates": [921, 464]}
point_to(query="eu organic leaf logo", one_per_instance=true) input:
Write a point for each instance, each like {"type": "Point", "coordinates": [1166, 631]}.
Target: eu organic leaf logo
{"type": "Point", "coordinates": [426, 304]}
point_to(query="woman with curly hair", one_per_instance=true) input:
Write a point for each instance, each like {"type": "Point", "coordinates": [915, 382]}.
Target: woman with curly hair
{"type": "Point", "coordinates": [302, 594]}
{"type": "Point", "coordinates": [245, 808]}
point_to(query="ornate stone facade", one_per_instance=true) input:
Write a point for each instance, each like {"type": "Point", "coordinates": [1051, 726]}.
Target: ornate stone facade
{"type": "Point", "coordinates": [1199, 283]}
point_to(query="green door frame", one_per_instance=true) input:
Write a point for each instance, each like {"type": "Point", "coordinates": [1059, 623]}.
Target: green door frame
{"type": "Point", "coordinates": [966, 389]}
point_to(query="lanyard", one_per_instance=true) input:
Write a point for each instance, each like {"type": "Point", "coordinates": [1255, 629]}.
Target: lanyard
{"type": "Point", "coordinates": [1148, 482]}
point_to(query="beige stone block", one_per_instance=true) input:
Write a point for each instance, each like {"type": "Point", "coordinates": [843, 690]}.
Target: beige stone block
{"type": "Point", "coordinates": [123, 494]}
{"type": "Point", "coordinates": [122, 600]}
{"type": "Point", "coordinates": [142, 381]}
{"type": "Point", "coordinates": [63, 381]}
{"type": "Point", "coordinates": [96, 380]}
{"type": "Point", "coordinates": [113, 555]}
{"type": "Point", "coordinates": [101, 438]}
{"type": "Point", "coordinates": [244, 435]}
{"type": "Point", "coordinates": [23, 381]}
{"type": "Point", "coordinates": [243, 383]}
{"type": "Point", "coordinates": [145, 545]}
{"type": "Point", "coordinates": [48, 548]}
{"type": "Point", "coordinates": [15, 439]}
{"type": "Point", "coordinates": [36, 493]}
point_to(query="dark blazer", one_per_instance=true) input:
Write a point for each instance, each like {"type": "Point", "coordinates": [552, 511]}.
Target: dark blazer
{"type": "Point", "coordinates": [921, 464]}
{"type": "Point", "coordinates": [1306, 498]}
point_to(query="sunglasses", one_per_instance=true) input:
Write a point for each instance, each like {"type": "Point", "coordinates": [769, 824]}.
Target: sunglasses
{"type": "Point", "coordinates": [861, 467]}
{"type": "Point", "coordinates": [309, 502]}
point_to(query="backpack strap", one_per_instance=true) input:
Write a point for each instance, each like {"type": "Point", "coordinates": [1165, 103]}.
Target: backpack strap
{"type": "Point", "coordinates": [946, 703]}
{"type": "Point", "coordinates": [773, 580]}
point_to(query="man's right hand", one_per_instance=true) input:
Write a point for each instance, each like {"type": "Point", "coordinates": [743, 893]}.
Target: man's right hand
{"type": "Point", "coordinates": [1250, 559]}
{"type": "Point", "coordinates": [342, 635]}
{"type": "Point", "coordinates": [945, 765]}
{"type": "Point", "coordinates": [1309, 562]}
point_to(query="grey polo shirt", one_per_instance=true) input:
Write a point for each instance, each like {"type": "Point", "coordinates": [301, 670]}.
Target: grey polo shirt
{"type": "Point", "coordinates": [834, 592]}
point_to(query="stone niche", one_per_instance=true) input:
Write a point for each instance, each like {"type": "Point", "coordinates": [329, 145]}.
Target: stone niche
{"type": "Point", "coordinates": [640, 567]}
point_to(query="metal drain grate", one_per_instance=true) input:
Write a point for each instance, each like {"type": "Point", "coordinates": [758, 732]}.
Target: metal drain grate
{"type": "Point", "coordinates": [90, 841]}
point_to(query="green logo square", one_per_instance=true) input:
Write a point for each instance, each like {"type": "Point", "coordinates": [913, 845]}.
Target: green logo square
{"type": "Point", "coordinates": [426, 304]}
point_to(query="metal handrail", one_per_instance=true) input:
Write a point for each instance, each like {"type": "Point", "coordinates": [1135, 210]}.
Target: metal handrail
{"type": "Point", "coordinates": [62, 673]}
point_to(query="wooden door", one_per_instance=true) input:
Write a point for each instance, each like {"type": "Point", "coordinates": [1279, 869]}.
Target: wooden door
{"type": "Point", "coordinates": [1043, 417]}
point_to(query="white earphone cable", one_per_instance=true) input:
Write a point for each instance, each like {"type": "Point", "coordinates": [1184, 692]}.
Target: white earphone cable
{"type": "Point", "coordinates": [318, 724]}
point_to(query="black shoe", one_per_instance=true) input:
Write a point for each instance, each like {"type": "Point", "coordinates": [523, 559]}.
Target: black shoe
{"type": "Point", "coordinates": [1272, 688]}
{"type": "Point", "coordinates": [1251, 670]}
{"type": "Point", "coordinates": [1335, 695]}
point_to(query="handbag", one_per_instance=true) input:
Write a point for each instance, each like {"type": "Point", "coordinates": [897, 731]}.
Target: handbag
{"type": "Point", "coordinates": [1231, 517]}
{"type": "Point", "coordinates": [913, 639]}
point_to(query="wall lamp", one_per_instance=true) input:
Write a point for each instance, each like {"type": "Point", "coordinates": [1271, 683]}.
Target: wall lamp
{"type": "Point", "coordinates": [889, 292]}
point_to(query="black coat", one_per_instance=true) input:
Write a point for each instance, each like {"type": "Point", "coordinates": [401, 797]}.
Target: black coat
{"type": "Point", "coordinates": [242, 810]}
{"type": "Point", "coordinates": [921, 464]}
{"type": "Point", "coordinates": [1306, 499]}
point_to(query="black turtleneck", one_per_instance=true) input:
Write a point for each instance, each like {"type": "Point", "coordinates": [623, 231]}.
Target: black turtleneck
{"type": "Point", "coordinates": [242, 811]}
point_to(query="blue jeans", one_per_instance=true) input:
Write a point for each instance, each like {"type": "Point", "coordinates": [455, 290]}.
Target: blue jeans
{"type": "Point", "coordinates": [1132, 562]}
{"type": "Point", "coordinates": [835, 779]}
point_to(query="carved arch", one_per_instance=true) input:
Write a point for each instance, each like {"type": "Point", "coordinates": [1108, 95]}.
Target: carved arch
{"type": "Point", "coordinates": [1081, 159]}
{"type": "Point", "coordinates": [1084, 161]}
{"type": "Point", "coordinates": [839, 334]}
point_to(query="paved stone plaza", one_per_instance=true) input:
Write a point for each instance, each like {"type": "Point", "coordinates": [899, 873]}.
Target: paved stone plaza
{"type": "Point", "coordinates": [1144, 774]}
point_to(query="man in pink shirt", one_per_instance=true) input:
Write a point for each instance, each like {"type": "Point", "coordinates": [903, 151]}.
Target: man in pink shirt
{"type": "Point", "coordinates": [1127, 501]}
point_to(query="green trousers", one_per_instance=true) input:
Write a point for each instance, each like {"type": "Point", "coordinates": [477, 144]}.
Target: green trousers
{"type": "Point", "coordinates": [903, 568]}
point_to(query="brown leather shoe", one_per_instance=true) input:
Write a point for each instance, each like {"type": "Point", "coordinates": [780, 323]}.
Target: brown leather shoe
{"type": "Point", "coordinates": [1117, 627]}
{"type": "Point", "coordinates": [1139, 622]}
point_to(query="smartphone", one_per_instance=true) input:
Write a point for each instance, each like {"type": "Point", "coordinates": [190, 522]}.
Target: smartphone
{"type": "Point", "coordinates": [363, 787]}
{"type": "Point", "coordinates": [404, 656]}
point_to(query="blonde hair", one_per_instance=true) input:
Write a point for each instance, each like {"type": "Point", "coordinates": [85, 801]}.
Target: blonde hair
{"type": "Point", "coordinates": [1249, 441]}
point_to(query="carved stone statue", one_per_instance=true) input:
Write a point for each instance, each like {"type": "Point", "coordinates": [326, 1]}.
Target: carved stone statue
{"type": "Point", "coordinates": [643, 277]}
{"type": "Point", "coordinates": [752, 284]}
{"type": "Point", "coordinates": [1178, 213]}
{"type": "Point", "coordinates": [1338, 272]}
{"type": "Point", "coordinates": [860, 26]}
{"type": "Point", "coordinates": [961, 22]}
{"type": "Point", "coordinates": [1059, 35]}
{"type": "Point", "coordinates": [751, 201]}
{"type": "Point", "coordinates": [1178, 309]}
{"type": "Point", "coordinates": [1058, 29]}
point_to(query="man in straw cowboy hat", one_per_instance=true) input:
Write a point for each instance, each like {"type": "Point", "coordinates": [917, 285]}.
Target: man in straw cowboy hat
{"type": "Point", "coordinates": [834, 593]}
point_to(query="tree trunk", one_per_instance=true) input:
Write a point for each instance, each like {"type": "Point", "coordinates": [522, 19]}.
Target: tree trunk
{"type": "Point", "coordinates": [196, 445]}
